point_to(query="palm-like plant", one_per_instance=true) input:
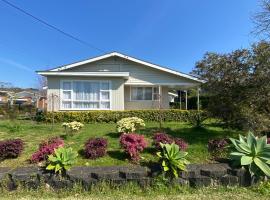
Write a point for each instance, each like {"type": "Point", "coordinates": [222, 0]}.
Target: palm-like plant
{"type": "Point", "coordinates": [62, 160]}
{"type": "Point", "coordinates": [172, 158]}
{"type": "Point", "coordinates": [252, 153]}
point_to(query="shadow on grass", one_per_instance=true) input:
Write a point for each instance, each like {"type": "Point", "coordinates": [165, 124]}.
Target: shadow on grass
{"type": "Point", "coordinates": [113, 135]}
{"type": "Point", "coordinates": [81, 153]}
{"type": "Point", "coordinates": [117, 154]}
{"type": "Point", "coordinates": [150, 150]}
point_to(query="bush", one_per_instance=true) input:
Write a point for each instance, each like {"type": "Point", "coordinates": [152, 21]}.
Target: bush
{"type": "Point", "coordinates": [72, 127]}
{"type": "Point", "coordinates": [161, 138]}
{"type": "Point", "coordinates": [197, 118]}
{"type": "Point", "coordinates": [253, 153]}
{"type": "Point", "coordinates": [133, 144]}
{"type": "Point", "coordinates": [182, 144]}
{"type": "Point", "coordinates": [167, 139]}
{"type": "Point", "coordinates": [172, 159]}
{"type": "Point", "coordinates": [95, 148]}
{"type": "Point", "coordinates": [268, 140]}
{"type": "Point", "coordinates": [10, 148]}
{"type": "Point", "coordinates": [46, 148]}
{"type": "Point", "coordinates": [218, 148]}
{"type": "Point", "coordinates": [129, 124]}
{"type": "Point", "coordinates": [61, 160]}
{"type": "Point", "coordinates": [114, 116]}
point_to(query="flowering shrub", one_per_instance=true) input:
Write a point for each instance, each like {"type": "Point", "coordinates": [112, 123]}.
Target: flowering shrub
{"type": "Point", "coordinates": [161, 138]}
{"type": "Point", "coordinates": [95, 148]}
{"type": "Point", "coordinates": [72, 127]}
{"type": "Point", "coordinates": [129, 124]}
{"type": "Point", "coordinates": [167, 139]}
{"type": "Point", "coordinates": [182, 144]}
{"type": "Point", "coordinates": [10, 148]}
{"type": "Point", "coordinates": [133, 144]}
{"type": "Point", "coordinates": [217, 148]}
{"type": "Point", "coordinates": [46, 148]}
{"type": "Point", "coordinates": [268, 140]}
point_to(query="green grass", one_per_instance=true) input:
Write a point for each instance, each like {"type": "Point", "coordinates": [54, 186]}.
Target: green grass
{"type": "Point", "coordinates": [32, 134]}
{"type": "Point", "coordinates": [133, 191]}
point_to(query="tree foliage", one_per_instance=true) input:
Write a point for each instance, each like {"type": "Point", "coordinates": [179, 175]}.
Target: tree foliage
{"type": "Point", "coordinates": [239, 86]}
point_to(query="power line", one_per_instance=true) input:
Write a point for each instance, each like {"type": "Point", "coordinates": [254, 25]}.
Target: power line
{"type": "Point", "coordinates": [53, 27]}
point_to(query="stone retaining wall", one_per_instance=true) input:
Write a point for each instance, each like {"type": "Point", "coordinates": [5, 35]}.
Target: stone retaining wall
{"type": "Point", "coordinates": [195, 176]}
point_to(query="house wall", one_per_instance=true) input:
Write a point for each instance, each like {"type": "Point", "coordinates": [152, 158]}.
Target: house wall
{"type": "Point", "coordinates": [138, 105]}
{"type": "Point", "coordinates": [53, 92]}
{"type": "Point", "coordinates": [139, 74]}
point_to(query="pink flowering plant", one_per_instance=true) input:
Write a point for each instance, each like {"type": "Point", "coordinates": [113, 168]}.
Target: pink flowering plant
{"type": "Point", "coordinates": [133, 144]}
{"type": "Point", "coordinates": [167, 139]}
{"type": "Point", "coordinates": [46, 148]}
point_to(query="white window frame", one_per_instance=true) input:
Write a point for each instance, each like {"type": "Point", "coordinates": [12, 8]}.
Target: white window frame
{"type": "Point", "coordinates": [73, 100]}
{"type": "Point", "coordinates": [144, 86]}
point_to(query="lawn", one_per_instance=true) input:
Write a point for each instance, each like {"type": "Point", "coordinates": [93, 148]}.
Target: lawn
{"type": "Point", "coordinates": [32, 134]}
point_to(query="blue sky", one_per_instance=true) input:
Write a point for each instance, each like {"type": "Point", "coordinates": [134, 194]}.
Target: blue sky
{"type": "Point", "coordinates": [172, 33]}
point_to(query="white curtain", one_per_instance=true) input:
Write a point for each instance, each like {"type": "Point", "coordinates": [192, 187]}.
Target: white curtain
{"type": "Point", "coordinates": [86, 95]}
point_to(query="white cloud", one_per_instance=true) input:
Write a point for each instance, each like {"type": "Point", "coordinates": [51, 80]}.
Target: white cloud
{"type": "Point", "coordinates": [17, 65]}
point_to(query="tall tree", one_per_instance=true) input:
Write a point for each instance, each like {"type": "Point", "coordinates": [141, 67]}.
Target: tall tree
{"type": "Point", "coordinates": [239, 86]}
{"type": "Point", "coordinates": [262, 19]}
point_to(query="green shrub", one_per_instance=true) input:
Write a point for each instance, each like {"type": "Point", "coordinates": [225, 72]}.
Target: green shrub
{"type": "Point", "coordinates": [252, 153]}
{"type": "Point", "coordinates": [114, 116]}
{"type": "Point", "coordinates": [172, 159]}
{"type": "Point", "coordinates": [197, 118]}
{"type": "Point", "coordinates": [62, 160]}
{"type": "Point", "coordinates": [129, 124]}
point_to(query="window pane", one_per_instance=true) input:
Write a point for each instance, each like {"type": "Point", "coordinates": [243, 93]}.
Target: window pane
{"type": "Point", "coordinates": [105, 85]}
{"type": "Point", "coordinates": [66, 85]}
{"type": "Point", "coordinates": [94, 91]}
{"type": "Point", "coordinates": [105, 105]}
{"type": "Point", "coordinates": [78, 90]}
{"type": "Point", "coordinates": [148, 93]}
{"type": "Point", "coordinates": [66, 94]}
{"type": "Point", "coordinates": [66, 104]}
{"type": "Point", "coordinates": [156, 90]}
{"type": "Point", "coordinates": [85, 105]}
{"type": "Point", "coordinates": [105, 95]}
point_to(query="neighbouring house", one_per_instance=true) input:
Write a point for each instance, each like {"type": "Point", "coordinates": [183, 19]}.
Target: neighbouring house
{"type": "Point", "coordinates": [113, 82]}
{"type": "Point", "coordinates": [5, 97]}
{"type": "Point", "coordinates": [26, 97]}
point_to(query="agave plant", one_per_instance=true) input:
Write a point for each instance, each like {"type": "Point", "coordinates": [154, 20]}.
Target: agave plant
{"type": "Point", "coordinates": [172, 158]}
{"type": "Point", "coordinates": [61, 160]}
{"type": "Point", "coordinates": [253, 153]}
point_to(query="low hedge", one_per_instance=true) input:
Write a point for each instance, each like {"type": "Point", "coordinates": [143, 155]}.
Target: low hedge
{"type": "Point", "coordinates": [114, 116]}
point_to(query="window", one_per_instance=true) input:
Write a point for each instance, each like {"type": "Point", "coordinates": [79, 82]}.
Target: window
{"type": "Point", "coordinates": [144, 93]}
{"type": "Point", "coordinates": [85, 95]}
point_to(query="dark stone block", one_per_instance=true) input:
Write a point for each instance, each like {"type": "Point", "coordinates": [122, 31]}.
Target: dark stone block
{"type": "Point", "coordinates": [133, 173]}
{"type": "Point", "coordinates": [105, 175]}
{"type": "Point", "coordinates": [199, 181]}
{"type": "Point", "coordinates": [58, 182]}
{"type": "Point", "coordinates": [193, 170]}
{"type": "Point", "coordinates": [243, 176]}
{"type": "Point", "coordinates": [28, 177]}
{"type": "Point", "coordinates": [155, 170]}
{"type": "Point", "coordinates": [229, 180]}
{"type": "Point", "coordinates": [25, 173]}
{"type": "Point", "coordinates": [214, 170]}
{"type": "Point", "coordinates": [4, 172]}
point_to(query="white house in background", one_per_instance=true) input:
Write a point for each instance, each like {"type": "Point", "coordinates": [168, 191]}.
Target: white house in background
{"type": "Point", "coordinates": [113, 81]}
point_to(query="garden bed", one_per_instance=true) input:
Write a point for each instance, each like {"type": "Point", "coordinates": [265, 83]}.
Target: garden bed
{"type": "Point", "coordinates": [33, 134]}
